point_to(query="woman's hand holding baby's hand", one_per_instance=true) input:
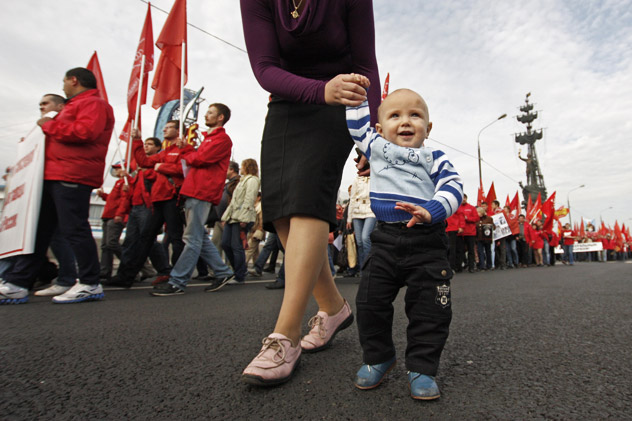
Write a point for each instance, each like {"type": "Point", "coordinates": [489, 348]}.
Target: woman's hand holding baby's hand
{"type": "Point", "coordinates": [419, 214]}
{"type": "Point", "coordinates": [349, 89]}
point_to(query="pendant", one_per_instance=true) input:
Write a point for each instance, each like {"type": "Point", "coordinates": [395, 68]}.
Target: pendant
{"type": "Point", "coordinates": [294, 14]}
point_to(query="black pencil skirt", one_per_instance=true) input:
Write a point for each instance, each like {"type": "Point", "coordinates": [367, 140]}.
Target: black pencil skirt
{"type": "Point", "coordinates": [303, 153]}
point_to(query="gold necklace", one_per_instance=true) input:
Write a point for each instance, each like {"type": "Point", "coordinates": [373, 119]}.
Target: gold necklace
{"type": "Point", "coordinates": [295, 12]}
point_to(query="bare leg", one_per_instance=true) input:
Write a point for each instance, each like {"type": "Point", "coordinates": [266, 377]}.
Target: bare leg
{"type": "Point", "coordinates": [306, 272]}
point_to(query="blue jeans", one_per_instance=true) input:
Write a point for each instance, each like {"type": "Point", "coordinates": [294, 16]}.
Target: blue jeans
{"type": "Point", "coordinates": [512, 251]}
{"type": "Point", "coordinates": [484, 255]}
{"type": "Point", "coordinates": [196, 245]}
{"type": "Point", "coordinates": [568, 253]}
{"type": "Point", "coordinates": [281, 276]}
{"type": "Point", "coordinates": [272, 243]}
{"type": "Point", "coordinates": [546, 259]}
{"type": "Point", "coordinates": [362, 228]}
{"type": "Point", "coordinates": [234, 249]}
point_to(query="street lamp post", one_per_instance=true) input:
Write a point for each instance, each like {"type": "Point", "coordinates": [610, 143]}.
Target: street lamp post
{"type": "Point", "coordinates": [568, 203]}
{"type": "Point", "coordinates": [478, 142]}
{"type": "Point", "coordinates": [602, 211]}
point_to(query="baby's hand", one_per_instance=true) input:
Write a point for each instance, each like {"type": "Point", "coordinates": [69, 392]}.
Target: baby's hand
{"type": "Point", "coordinates": [419, 214]}
{"type": "Point", "coordinates": [361, 80]}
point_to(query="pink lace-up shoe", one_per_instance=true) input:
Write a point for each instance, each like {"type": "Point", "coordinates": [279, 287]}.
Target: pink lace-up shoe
{"type": "Point", "coordinates": [275, 363]}
{"type": "Point", "coordinates": [325, 327]}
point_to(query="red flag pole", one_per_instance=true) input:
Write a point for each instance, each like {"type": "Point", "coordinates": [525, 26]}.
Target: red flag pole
{"type": "Point", "coordinates": [182, 54]}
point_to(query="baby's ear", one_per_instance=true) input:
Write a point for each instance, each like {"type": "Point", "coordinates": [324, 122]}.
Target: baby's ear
{"type": "Point", "coordinates": [428, 129]}
{"type": "Point", "coordinates": [378, 128]}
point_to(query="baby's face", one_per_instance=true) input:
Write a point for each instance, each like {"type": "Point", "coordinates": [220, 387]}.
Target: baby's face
{"type": "Point", "coordinates": [403, 119]}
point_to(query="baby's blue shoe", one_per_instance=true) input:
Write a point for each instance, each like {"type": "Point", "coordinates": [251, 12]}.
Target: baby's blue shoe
{"type": "Point", "coordinates": [370, 376]}
{"type": "Point", "coordinates": [422, 386]}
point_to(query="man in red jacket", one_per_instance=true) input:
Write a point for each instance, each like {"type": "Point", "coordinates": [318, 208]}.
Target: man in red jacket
{"type": "Point", "coordinates": [76, 144]}
{"type": "Point", "coordinates": [167, 178]}
{"type": "Point", "coordinates": [203, 186]}
{"type": "Point", "coordinates": [470, 219]}
{"type": "Point", "coordinates": [115, 212]}
{"type": "Point", "coordinates": [140, 214]}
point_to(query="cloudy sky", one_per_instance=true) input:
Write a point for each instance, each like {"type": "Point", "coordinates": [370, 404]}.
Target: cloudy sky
{"type": "Point", "coordinates": [472, 61]}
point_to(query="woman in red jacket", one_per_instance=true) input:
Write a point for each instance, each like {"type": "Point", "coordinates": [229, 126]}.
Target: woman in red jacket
{"type": "Point", "coordinates": [536, 242]}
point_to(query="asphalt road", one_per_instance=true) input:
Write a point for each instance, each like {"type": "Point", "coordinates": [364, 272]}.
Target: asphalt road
{"type": "Point", "coordinates": [537, 343]}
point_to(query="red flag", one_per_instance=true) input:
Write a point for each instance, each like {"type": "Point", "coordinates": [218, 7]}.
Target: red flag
{"type": "Point", "coordinates": [535, 209]}
{"type": "Point", "coordinates": [385, 91]}
{"type": "Point", "coordinates": [146, 49]}
{"type": "Point", "coordinates": [617, 231]}
{"type": "Point", "coordinates": [582, 230]}
{"type": "Point", "coordinates": [548, 209]}
{"type": "Point", "coordinates": [480, 198]}
{"type": "Point", "coordinates": [491, 196]}
{"type": "Point", "coordinates": [507, 202]}
{"type": "Point", "coordinates": [167, 81]}
{"type": "Point", "coordinates": [94, 67]}
{"type": "Point", "coordinates": [515, 204]}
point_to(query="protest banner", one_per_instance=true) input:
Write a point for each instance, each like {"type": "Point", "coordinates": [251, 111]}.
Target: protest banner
{"type": "Point", "coordinates": [23, 195]}
{"type": "Point", "coordinates": [501, 226]}
{"type": "Point", "coordinates": [582, 247]}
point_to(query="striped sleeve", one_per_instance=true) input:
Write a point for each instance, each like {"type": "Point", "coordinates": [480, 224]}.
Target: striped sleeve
{"type": "Point", "coordinates": [359, 125]}
{"type": "Point", "coordinates": [448, 188]}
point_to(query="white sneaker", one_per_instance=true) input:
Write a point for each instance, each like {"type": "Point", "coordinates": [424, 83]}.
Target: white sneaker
{"type": "Point", "coordinates": [13, 294]}
{"type": "Point", "coordinates": [52, 290]}
{"type": "Point", "coordinates": [79, 293]}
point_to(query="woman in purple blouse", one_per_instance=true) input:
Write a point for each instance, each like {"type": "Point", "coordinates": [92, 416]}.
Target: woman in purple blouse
{"type": "Point", "coordinates": [303, 52]}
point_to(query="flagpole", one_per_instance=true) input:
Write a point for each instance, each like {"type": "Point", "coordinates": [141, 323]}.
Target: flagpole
{"type": "Point", "coordinates": [182, 54]}
{"type": "Point", "coordinates": [140, 90]}
{"type": "Point", "coordinates": [137, 115]}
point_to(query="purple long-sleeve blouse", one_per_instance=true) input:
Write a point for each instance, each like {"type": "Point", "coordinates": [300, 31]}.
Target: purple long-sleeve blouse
{"type": "Point", "coordinates": [295, 58]}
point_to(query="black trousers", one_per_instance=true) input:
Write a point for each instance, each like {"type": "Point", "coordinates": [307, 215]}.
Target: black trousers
{"type": "Point", "coordinates": [416, 258]}
{"type": "Point", "coordinates": [452, 250]}
{"type": "Point", "coordinates": [163, 212]}
{"type": "Point", "coordinates": [65, 206]}
{"type": "Point", "coordinates": [470, 244]}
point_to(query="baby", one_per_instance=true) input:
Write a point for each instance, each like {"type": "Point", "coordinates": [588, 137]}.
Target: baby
{"type": "Point", "coordinates": [413, 190]}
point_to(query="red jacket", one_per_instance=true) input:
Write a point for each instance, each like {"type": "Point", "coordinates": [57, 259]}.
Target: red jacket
{"type": "Point", "coordinates": [568, 237]}
{"type": "Point", "coordinates": [77, 140]}
{"type": "Point", "coordinates": [139, 194]}
{"type": "Point", "coordinates": [207, 167]}
{"type": "Point", "coordinates": [470, 219]}
{"type": "Point", "coordinates": [533, 237]}
{"type": "Point", "coordinates": [608, 244]}
{"type": "Point", "coordinates": [168, 178]}
{"type": "Point", "coordinates": [116, 202]}
{"type": "Point", "coordinates": [455, 221]}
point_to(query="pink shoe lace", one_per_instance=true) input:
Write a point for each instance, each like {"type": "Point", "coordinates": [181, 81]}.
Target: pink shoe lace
{"type": "Point", "coordinates": [325, 327]}
{"type": "Point", "coordinates": [275, 362]}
